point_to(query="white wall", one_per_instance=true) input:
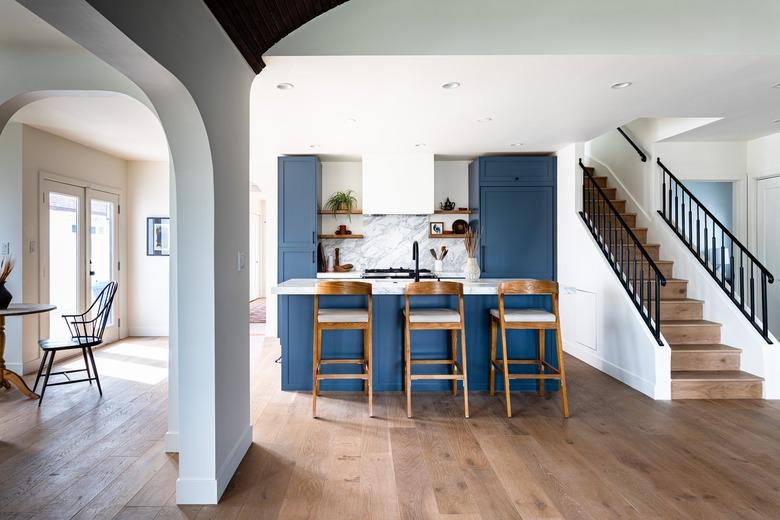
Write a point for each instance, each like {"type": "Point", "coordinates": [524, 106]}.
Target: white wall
{"type": "Point", "coordinates": [11, 232]}
{"type": "Point", "coordinates": [148, 276]}
{"type": "Point", "coordinates": [44, 152]}
{"type": "Point", "coordinates": [600, 324]}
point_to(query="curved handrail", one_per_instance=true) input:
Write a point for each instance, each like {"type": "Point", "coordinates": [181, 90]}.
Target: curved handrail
{"type": "Point", "coordinates": [642, 155]}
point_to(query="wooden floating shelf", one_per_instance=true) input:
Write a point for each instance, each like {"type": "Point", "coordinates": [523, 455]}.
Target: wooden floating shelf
{"type": "Point", "coordinates": [448, 235]}
{"type": "Point", "coordinates": [342, 212]}
{"type": "Point", "coordinates": [338, 237]}
{"type": "Point", "coordinates": [452, 211]}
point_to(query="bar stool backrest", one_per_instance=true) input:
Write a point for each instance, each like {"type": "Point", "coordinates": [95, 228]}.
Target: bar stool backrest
{"type": "Point", "coordinates": [528, 287]}
{"type": "Point", "coordinates": [434, 288]}
{"type": "Point", "coordinates": [344, 288]}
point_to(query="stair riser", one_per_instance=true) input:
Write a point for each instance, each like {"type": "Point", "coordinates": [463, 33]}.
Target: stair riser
{"type": "Point", "coordinates": [705, 360]}
{"type": "Point", "coordinates": [716, 390]}
{"type": "Point", "coordinates": [641, 235]}
{"type": "Point", "coordinates": [601, 181]}
{"type": "Point", "coordinates": [671, 311]}
{"type": "Point", "coordinates": [604, 218]}
{"type": "Point", "coordinates": [691, 334]}
{"type": "Point", "coordinates": [653, 251]}
{"type": "Point", "coordinates": [674, 290]}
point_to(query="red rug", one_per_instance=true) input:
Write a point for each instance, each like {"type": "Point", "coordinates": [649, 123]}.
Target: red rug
{"type": "Point", "coordinates": [257, 311]}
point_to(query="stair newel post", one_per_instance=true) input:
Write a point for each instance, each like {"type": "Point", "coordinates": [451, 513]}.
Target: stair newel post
{"type": "Point", "coordinates": [657, 307]}
{"type": "Point", "coordinates": [669, 216]}
{"type": "Point", "coordinates": [764, 315]}
{"type": "Point", "coordinates": [663, 190]}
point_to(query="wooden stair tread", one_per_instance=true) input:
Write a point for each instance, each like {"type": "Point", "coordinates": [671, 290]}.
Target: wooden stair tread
{"type": "Point", "coordinates": [688, 323]}
{"type": "Point", "coordinates": [705, 347]}
{"type": "Point", "coordinates": [682, 300]}
{"type": "Point", "coordinates": [714, 375]}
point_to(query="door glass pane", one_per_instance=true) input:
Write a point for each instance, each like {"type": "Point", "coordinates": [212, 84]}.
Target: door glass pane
{"type": "Point", "coordinates": [63, 260]}
{"type": "Point", "coordinates": [101, 235]}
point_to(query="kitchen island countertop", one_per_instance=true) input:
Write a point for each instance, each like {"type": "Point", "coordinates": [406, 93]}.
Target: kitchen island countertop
{"type": "Point", "coordinates": [303, 286]}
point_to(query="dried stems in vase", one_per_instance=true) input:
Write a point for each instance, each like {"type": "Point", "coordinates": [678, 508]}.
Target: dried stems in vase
{"type": "Point", "coordinates": [6, 266]}
{"type": "Point", "coordinates": [471, 240]}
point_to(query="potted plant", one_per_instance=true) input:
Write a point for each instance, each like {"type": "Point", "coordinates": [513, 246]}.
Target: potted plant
{"type": "Point", "coordinates": [341, 201]}
{"type": "Point", "coordinates": [6, 266]}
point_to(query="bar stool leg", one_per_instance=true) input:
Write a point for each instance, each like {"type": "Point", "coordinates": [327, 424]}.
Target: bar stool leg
{"type": "Point", "coordinates": [506, 370]}
{"type": "Point", "coordinates": [464, 364]}
{"type": "Point", "coordinates": [315, 370]}
{"type": "Point", "coordinates": [369, 370]}
{"type": "Point", "coordinates": [454, 352]}
{"type": "Point", "coordinates": [408, 369]}
{"type": "Point", "coordinates": [365, 357]}
{"type": "Point", "coordinates": [564, 396]}
{"type": "Point", "coordinates": [493, 333]}
{"type": "Point", "coordinates": [540, 383]}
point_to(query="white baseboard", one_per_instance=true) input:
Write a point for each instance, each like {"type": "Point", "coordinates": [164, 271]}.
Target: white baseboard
{"type": "Point", "coordinates": [172, 442]}
{"type": "Point", "coordinates": [235, 457]}
{"type": "Point", "coordinates": [208, 491]}
{"type": "Point", "coordinates": [147, 331]}
{"type": "Point", "coordinates": [590, 357]}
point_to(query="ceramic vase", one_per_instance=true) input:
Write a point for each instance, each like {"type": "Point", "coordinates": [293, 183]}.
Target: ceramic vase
{"type": "Point", "coordinates": [5, 297]}
{"type": "Point", "coordinates": [471, 272]}
{"type": "Point", "coordinates": [438, 266]}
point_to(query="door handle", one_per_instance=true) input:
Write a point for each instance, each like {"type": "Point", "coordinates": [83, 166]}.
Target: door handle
{"type": "Point", "coordinates": [92, 273]}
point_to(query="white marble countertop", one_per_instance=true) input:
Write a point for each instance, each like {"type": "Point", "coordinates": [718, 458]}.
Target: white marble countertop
{"type": "Point", "coordinates": [304, 286]}
{"type": "Point", "coordinates": [356, 275]}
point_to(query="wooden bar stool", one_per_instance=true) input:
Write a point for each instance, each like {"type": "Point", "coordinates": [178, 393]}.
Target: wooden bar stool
{"type": "Point", "coordinates": [436, 319]}
{"type": "Point", "coordinates": [342, 319]}
{"type": "Point", "coordinates": [538, 319]}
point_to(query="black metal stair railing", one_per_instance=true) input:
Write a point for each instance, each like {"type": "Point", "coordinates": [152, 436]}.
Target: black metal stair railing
{"type": "Point", "coordinates": [717, 249]}
{"type": "Point", "coordinates": [636, 269]}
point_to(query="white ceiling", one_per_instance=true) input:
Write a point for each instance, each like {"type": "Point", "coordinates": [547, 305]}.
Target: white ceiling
{"type": "Point", "coordinates": [118, 125]}
{"type": "Point", "coordinates": [19, 27]}
{"type": "Point", "coordinates": [540, 101]}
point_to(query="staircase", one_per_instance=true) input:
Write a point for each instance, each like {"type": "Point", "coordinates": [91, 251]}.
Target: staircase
{"type": "Point", "coordinates": [702, 367]}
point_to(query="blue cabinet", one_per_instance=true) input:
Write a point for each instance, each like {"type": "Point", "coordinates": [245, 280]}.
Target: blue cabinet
{"type": "Point", "coordinates": [299, 191]}
{"type": "Point", "coordinates": [515, 203]}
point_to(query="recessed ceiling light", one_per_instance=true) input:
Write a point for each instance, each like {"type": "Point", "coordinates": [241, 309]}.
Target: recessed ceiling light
{"type": "Point", "coordinates": [484, 120]}
{"type": "Point", "coordinates": [420, 145]}
{"type": "Point", "coordinates": [451, 85]}
{"type": "Point", "coordinates": [285, 86]}
{"type": "Point", "coordinates": [350, 120]}
{"type": "Point", "coordinates": [312, 146]}
{"type": "Point", "coordinates": [622, 84]}
{"type": "Point", "coordinates": [515, 145]}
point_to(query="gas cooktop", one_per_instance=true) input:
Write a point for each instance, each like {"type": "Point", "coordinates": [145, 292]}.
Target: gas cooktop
{"type": "Point", "coordinates": [396, 272]}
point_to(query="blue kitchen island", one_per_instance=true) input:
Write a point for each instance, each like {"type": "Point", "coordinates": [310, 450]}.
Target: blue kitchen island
{"type": "Point", "coordinates": [295, 322]}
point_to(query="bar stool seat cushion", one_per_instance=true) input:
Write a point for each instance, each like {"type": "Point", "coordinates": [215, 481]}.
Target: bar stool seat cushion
{"type": "Point", "coordinates": [342, 316]}
{"type": "Point", "coordinates": [433, 316]}
{"type": "Point", "coordinates": [525, 315]}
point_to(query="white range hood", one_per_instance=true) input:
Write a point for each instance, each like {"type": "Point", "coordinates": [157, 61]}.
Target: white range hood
{"type": "Point", "coordinates": [398, 184]}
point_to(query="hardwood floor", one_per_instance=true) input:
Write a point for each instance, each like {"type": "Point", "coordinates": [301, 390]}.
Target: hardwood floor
{"type": "Point", "coordinates": [620, 455]}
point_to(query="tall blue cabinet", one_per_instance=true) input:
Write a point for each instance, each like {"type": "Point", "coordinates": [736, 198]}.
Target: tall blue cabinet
{"type": "Point", "coordinates": [514, 199]}
{"type": "Point", "coordinates": [299, 191]}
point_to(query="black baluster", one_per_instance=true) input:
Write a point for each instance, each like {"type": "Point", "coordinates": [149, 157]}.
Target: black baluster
{"type": "Point", "coordinates": [731, 269]}
{"type": "Point", "coordinates": [706, 247]}
{"type": "Point", "coordinates": [682, 227]}
{"type": "Point", "coordinates": [698, 233]}
{"type": "Point", "coordinates": [722, 259]}
{"type": "Point", "coordinates": [752, 294]}
{"type": "Point", "coordinates": [690, 222]}
{"type": "Point", "coordinates": [663, 190]}
{"type": "Point", "coordinates": [669, 216]}
{"type": "Point", "coordinates": [676, 209]}
{"type": "Point", "coordinates": [714, 258]}
{"type": "Point", "coordinates": [642, 288]}
{"type": "Point", "coordinates": [764, 315]}
{"type": "Point", "coordinates": [657, 307]}
{"type": "Point", "coordinates": [741, 281]}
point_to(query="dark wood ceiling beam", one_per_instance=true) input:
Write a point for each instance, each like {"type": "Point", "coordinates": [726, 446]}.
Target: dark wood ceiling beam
{"type": "Point", "coordinates": [255, 26]}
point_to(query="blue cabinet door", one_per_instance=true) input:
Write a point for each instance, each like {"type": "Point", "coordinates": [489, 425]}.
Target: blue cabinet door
{"type": "Point", "coordinates": [521, 170]}
{"type": "Point", "coordinates": [518, 231]}
{"type": "Point", "coordinates": [299, 197]}
{"type": "Point", "coordinates": [297, 263]}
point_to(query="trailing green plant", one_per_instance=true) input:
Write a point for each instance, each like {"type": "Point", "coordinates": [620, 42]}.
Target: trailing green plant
{"type": "Point", "coordinates": [341, 201]}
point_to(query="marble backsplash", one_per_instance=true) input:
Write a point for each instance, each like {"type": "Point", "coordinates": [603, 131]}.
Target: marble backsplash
{"type": "Point", "coordinates": [388, 243]}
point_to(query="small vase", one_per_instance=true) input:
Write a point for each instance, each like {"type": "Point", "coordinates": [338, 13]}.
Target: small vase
{"type": "Point", "coordinates": [471, 272]}
{"type": "Point", "coordinates": [5, 297]}
{"type": "Point", "coordinates": [438, 266]}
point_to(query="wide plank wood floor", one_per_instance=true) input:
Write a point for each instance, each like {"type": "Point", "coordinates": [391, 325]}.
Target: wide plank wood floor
{"type": "Point", "coordinates": [620, 455]}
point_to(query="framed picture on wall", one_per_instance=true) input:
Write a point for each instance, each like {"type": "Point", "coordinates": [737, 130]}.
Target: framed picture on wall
{"type": "Point", "coordinates": [158, 236]}
{"type": "Point", "coordinates": [437, 228]}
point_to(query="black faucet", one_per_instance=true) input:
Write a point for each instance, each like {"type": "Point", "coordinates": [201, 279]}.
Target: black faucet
{"type": "Point", "coordinates": [416, 258]}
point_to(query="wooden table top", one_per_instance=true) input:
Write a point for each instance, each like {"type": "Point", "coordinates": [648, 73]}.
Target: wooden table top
{"type": "Point", "coordinates": [21, 309]}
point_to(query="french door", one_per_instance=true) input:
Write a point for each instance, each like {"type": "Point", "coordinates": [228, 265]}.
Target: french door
{"type": "Point", "coordinates": [79, 253]}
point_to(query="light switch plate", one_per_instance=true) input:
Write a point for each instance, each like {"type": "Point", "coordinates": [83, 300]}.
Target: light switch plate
{"type": "Point", "coordinates": [5, 248]}
{"type": "Point", "coordinates": [241, 261]}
